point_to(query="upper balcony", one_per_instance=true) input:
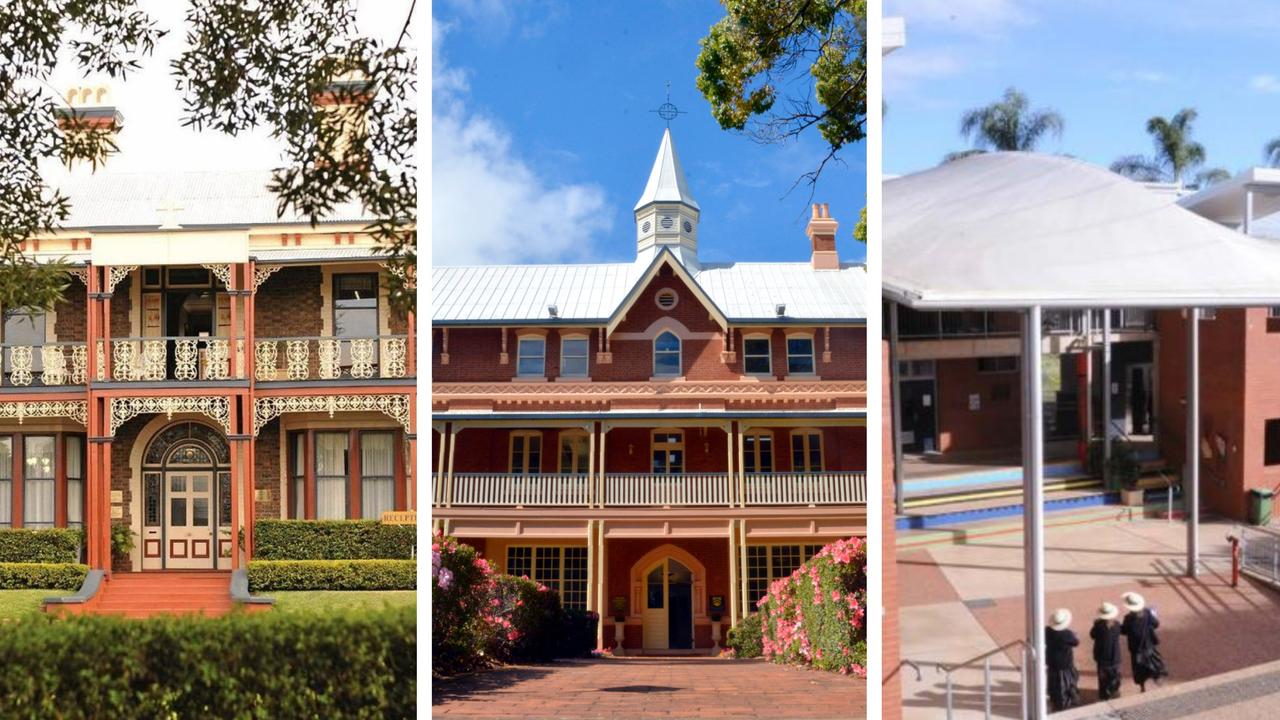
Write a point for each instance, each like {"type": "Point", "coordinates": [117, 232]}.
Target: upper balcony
{"type": "Point", "coordinates": [330, 358]}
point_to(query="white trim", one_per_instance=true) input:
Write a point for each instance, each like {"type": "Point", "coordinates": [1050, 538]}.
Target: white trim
{"type": "Point", "coordinates": [813, 353]}
{"type": "Point", "coordinates": [542, 370]}
{"type": "Point", "coordinates": [586, 355]}
{"type": "Point", "coordinates": [679, 355]}
{"type": "Point", "coordinates": [768, 339]}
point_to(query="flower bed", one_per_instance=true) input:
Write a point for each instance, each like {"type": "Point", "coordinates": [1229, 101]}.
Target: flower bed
{"type": "Point", "coordinates": [817, 616]}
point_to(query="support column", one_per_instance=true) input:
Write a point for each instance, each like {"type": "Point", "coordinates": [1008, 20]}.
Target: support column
{"type": "Point", "coordinates": [730, 477]}
{"type": "Point", "coordinates": [448, 485]}
{"type": "Point", "coordinates": [235, 503]}
{"type": "Point", "coordinates": [899, 502]}
{"type": "Point", "coordinates": [601, 584]}
{"type": "Point", "coordinates": [1192, 473]}
{"type": "Point", "coordinates": [437, 492]}
{"type": "Point", "coordinates": [592, 497]}
{"type": "Point", "coordinates": [105, 319]}
{"type": "Point", "coordinates": [1033, 511]}
{"type": "Point", "coordinates": [251, 484]}
{"type": "Point", "coordinates": [742, 566]}
{"type": "Point", "coordinates": [593, 599]}
{"type": "Point", "coordinates": [742, 462]}
{"type": "Point", "coordinates": [1106, 398]}
{"type": "Point", "coordinates": [600, 485]}
{"type": "Point", "coordinates": [733, 574]}
{"type": "Point", "coordinates": [1247, 225]}
{"type": "Point", "coordinates": [104, 507]}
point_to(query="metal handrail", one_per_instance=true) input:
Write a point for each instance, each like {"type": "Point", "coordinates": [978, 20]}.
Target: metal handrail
{"type": "Point", "coordinates": [1168, 481]}
{"type": "Point", "coordinates": [985, 658]}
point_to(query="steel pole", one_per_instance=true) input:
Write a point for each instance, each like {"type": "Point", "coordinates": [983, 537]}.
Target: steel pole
{"type": "Point", "coordinates": [1106, 397]}
{"type": "Point", "coordinates": [1033, 509]}
{"type": "Point", "coordinates": [896, 390]}
{"type": "Point", "coordinates": [1192, 473]}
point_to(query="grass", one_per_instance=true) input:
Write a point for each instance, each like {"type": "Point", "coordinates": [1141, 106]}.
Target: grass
{"type": "Point", "coordinates": [24, 603]}
{"type": "Point", "coordinates": [299, 601]}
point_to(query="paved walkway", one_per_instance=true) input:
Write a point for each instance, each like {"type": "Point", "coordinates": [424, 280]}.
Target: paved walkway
{"type": "Point", "coordinates": [962, 600]}
{"type": "Point", "coordinates": [636, 688]}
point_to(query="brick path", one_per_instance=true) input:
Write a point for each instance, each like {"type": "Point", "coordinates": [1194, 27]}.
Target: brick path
{"type": "Point", "coordinates": [614, 689]}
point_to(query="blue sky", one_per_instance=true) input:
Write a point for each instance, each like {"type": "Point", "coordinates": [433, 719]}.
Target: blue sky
{"type": "Point", "coordinates": [1106, 66]}
{"type": "Point", "coordinates": [543, 139]}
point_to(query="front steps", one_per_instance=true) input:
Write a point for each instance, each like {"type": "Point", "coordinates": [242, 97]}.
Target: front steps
{"type": "Point", "coordinates": [147, 594]}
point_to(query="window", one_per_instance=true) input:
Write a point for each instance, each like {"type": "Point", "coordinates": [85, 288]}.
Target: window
{"type": "Point", "coordinates": [574, 586]}
{"type": "Point", "coordinates": [531, 352]}
{"type": "Point", "coordinates": [668, 452]}
{"type": "Point", "coordinates": [666, 355]}
{"type": "Point", "coordinates": [654, 589]}
{"type": "Point", "coordinates": [377, 474]}
{"type": "Point", "coordinates": [298, 474]}
{"type": "Point", "coordinates": [1001, 364]}
{"type": "Point", "coordinates": [224, 501]}
{"type": "Point", "coordinates": [39, 459]}
{"type": "Point", "coordinates": [799, 355]}
{"type": "Point", "coordinates": [520, 561]}
{"type": "Point", "coordinates": [75, 480]}
{"type": "Point", "coordinates": [355, 305]}
{"type": "Point", "coordinates": [331, 475]}
{"type": "Point", "coordinates": [1273, 311]}
{"type": "Point", "coordinates": [526, 453]}
{"type": "Point", "coordinates": [757, 574]}
{"type": "Point", "coordinates": [757, 448]}
{"type": "Point", "coordinates": [23, 328]}
{"type": "Point", "coordinates": [1271, 453]}
{"type": "Point", "coordinates": [783, 560]}
{"type": "Point", "coordinates": [6, 480]}
{"type": "Point", "coordinates": [766, 563]}
{"type": "Point", "coordinates": [575, 452]}
{"type": "Point", "coordinates": [573, 357]}
{"type": "Point", "coordinates": [756, 358]}
{"type": "Point", "coordinates": [1208, 313]}
{"type": "Point", "coordinates": [546, 567]}
{"type": "Point", "coordinates": [806, 451]}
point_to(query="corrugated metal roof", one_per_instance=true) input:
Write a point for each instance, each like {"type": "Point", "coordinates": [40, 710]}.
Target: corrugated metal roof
{"type": "Point", "coordinates": [134, 200]}
{"type": "Point", "coordinates": [743, 291]}
{"type": "Point", "coordinates": [302, 254]}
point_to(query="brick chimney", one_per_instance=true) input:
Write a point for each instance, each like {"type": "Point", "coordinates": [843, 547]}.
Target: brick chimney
{"type": "Point", "coordinates": [89, 107]}
{"type": "Point", "coordinates": [822, 234]}
{"type": "Point", "coordinates": [346, 101]}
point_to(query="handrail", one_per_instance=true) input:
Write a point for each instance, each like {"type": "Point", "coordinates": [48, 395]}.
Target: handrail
{"type": "Point", "coordinates": [985, 658]}
{"type": "Point", "coordinates": [1168, 481]}
{"type": "Point", "coordinates": [943, 667]}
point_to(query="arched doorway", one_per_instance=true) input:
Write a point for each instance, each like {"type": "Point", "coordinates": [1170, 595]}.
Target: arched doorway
{"type": "Point", "coordinates": [668, 608]}
{"type": "Point", "coordinates": [186, 499]}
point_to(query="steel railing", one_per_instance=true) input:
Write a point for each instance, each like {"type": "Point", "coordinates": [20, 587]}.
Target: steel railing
{"type": "Point", "coordinates": [948, 670]}
{"type": "Point", "coordinates": [1169, 483]}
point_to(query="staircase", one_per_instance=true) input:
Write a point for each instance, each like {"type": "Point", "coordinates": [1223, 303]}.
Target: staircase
{"type": "Point", "coordinates": [146, 594]}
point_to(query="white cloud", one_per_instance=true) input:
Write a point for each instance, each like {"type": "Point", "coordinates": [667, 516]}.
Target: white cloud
{"type": "Point", "coordinates": [1265, 83]}
{"type": "Point", "coordinates": [1153, 77]}
{"type": "Point", "coordinates": [488, 204]}
{"type": "Point", "coordinates": [974, 17]}
{"type": "Point", "coordinates": [905, 69]}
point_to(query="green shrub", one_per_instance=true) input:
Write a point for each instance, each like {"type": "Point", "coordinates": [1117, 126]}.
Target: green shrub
{"type": "Point", "coordinates": [38, 576]}
{"type": "Point", "coordinates": [332, 540]}
{"type": "Point", "coordinates": [531, 621]}
{"type": "Point", "coordinates": [48, 545]}
{"type": "Point", "coordinates": [121, 540]}
{"type": "Point", "coordinates": [578, 638]}
{"type": "Point", "coordinates": [267, 665]}
{"type": "Point", "coordinates": [744, 638]}
{"type": "Point", "coordinates": [266, 575]}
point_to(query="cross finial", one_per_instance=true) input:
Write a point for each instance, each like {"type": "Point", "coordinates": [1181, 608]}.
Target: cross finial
{"type": "Point", "coordinates": [666, 110]}
{"type": "Point", "coordinates": [169, 215]}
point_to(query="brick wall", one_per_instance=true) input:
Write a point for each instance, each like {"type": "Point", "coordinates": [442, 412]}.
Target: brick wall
{"type": "Point", "coordinates": [72, 314]}
{"type": "Point", "coordinates": [122, 474]}
{"type": "Point", "coordinates": [122, 309]}
{"type": "Point", "coordinates": [998, 421]}
{"type": "Point", "coordinates": [289, 304]}
{"type": "Point", "coordinates": [266, 469]}
{"type": "Point", "coordinates": [891, 682]}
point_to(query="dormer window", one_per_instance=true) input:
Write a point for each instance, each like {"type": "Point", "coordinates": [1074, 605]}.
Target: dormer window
{"type": "Point", "coordinates": [800, 355]}
{"type": "Point", "coordinates": [666, 355]}
{"type": "Point", "coordinates": [531, 354]}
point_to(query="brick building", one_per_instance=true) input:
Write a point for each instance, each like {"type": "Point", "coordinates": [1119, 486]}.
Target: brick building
{"type": "Point", "coordinates": [658, 438]}
{"type": "Point", "coordinates": [209, 364]}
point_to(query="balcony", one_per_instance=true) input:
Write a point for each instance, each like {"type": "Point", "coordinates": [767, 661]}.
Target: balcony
{"type": "Point", "coordinates": [161, 359]}
{"type": "Point", "coordinates": [48, 365]}
{"type": "Point", "coordinates": [651, 490]}
{"type": "Point", "coordinates": [331, 358]}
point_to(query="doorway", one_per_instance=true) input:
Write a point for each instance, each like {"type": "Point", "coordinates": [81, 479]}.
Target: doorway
{"type": "Point", "coordinates": [186, 499]}
{"type": "Point", "coordinates": [668, 611]}
{"type": "Point", "coordinates": [1139, 400]}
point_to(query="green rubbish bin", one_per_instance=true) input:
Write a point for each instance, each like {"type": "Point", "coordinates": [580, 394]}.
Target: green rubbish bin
{"type": "Point", "coordinates": [1260, 506]}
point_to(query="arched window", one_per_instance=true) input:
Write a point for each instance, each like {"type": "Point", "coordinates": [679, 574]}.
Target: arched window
{"type": "Point", "coordinates": [666, 355]}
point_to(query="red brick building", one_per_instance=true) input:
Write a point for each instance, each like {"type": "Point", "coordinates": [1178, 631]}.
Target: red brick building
{"type": "Point", "coordinates": [656, 439]}
{"type": "Point", "coordinates": [209, 364]}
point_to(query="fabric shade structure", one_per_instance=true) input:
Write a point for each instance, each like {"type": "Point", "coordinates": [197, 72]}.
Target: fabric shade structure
{"type": "Point", "coordinates": [1027, 232]}
{"type": "Point", "coordinates": [1012, 230]}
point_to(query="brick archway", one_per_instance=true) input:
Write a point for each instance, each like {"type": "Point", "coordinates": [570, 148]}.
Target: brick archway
{"type": "Point", "coordinates": [684, 557]}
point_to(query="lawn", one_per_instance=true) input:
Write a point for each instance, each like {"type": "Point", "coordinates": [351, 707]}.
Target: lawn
{"type": "Point", "coordinates": [297, 601]}
{"type": "Point", "coordinates": [24, 603]}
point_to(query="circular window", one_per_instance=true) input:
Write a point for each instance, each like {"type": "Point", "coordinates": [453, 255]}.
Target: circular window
{"type": "Point", "coordinates": [645, 227]}
{"type": "Point", "coordinates": [688, 226]}
{"type": "Point", "coordinates": [667, 223]}
{"type": "Point", "coordinates": [666, 298]}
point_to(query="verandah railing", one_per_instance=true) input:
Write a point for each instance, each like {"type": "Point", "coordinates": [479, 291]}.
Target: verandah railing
{"type": "Point", "coordinates": [50, 364]}
{"type": "Point", "coordinates": [331, 358]}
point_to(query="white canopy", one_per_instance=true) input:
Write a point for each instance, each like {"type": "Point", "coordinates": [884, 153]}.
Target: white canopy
{"type": "Point", "coordinates": [1005, 230]}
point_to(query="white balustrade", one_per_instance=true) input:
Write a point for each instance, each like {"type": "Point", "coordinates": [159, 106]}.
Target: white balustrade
{"type": "Point", "coordinates": [666, 490]}
{"type": "Point", "coordinates": [45, 365]}
{"type": "Point", "coordinates": [504, 489]}
{"type": "Point", "coordinates": [335, 358]}
{"type": "Point", "coordinates": [821, 488]}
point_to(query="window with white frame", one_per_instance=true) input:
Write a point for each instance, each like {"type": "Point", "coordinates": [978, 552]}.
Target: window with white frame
{"type": "Point", "coordinates": [531, 355]}
{"type": "Point", "coordinates": [806, 451]}
{"type": "Point", "coordinates": [800, 355]}
{"type": "Point", "coordinates": [668, 452]}
{"type": "Point", "coordinates": [666, 355]}
{"type": "Point", "coordinates": [766, 563]}
{"type": "Point", "coordinates": [563, 569]}
{"type": "Point", "coordinates": [75, 480]}
{"type": "Point", "coordinates": [332, 463]}
{"type": "Point", "coordinates": [526, 452]}
{"type": "Point", "coordinates": [756, 357]}
{"type": "Point", "coordinates": [573, 356]}
{"type": "Point", "coordinates": [575, 452]}
{"type": "Point", "coordinates": [377, 474]}
{"type": "Point", "coordinates": [6, 480]}
{"type": "Point", "coordinates": [39, 460]}
{"type": "Point", "coordinates": [757, 451]}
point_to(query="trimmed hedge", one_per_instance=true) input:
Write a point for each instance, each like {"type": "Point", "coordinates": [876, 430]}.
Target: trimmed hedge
{"type": "Point", "coordinates": [265, 575]}
{"type": "Point", "coordinates": [745, 638]}
{"type": "Point", "coordinates": [268, 665]}
{"type": "Point", "coordinates": [42, 576]}
{"type": "Point", "coordinates": [48, 545]}
{"type": "Point", "coordinates": [332, 540]}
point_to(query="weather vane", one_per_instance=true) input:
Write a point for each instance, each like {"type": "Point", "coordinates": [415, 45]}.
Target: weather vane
{"type": "Point", "coordinates": [666, 110]}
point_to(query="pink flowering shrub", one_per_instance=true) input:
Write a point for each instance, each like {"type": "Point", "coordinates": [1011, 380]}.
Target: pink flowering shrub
{"type": "Point", "coordinates": [529, 620]}
{"type": "Point", "coordinates": [817, 616]}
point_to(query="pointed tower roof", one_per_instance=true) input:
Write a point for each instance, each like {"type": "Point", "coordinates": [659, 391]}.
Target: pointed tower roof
{"type": "Point", "coordinates": [666, 180]}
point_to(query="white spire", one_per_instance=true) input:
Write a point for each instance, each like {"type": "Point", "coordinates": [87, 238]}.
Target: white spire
{"type": "Point", "coordinates": [667, 214]}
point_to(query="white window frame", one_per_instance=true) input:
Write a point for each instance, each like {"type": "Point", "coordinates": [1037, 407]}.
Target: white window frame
{"type": "Point", "coordinates": [561, 580]}
{"type": "Point", "coordinates": [813, 354]}
{"type": "Point", "coordinates": [520, 356]}
{"type": "Point", "coordinates": [768, 353]}
{"type": "Point", "coordinates": [679, 352]}
{"type": "Point", "coordinates": [807, 551]}
{"type": "Point", "coordinates": [586, 355]}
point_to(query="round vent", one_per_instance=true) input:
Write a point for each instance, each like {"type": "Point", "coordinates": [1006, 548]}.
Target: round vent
{"type": "Point", "coordinates": [688, 226]}
{"type": "Point", "coordinates": [667, 223]}
{"type": "Point", "coordinates": [666, 298]}
{"type": "Point", "coordinates": [645, 226]}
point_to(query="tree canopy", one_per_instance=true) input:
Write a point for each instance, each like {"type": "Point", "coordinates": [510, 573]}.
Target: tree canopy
{"type": "Point", "coordinates": [1176, 154]}
{"type": "Point", "coordinates": [1008, 124]}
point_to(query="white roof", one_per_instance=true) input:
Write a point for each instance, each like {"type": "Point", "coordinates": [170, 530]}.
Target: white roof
{"type": "Point", "coordinates": [1019, 229]}
{"type": "Point", "coordinates": [1224, 201]}
{"type": "Point", "coordinates": [666, 179]}
{"type": "Point", "coordinates": [593, 292]}
{"type": "Point", "coordinates": [202, 199]}
{"type": "Point", "coordinates": [304, 254]}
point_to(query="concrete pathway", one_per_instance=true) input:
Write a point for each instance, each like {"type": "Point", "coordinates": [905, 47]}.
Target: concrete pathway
{"type": "Point", "coordinates": [614, 689]}
{"type": "Point", "coordinates": [959, 601]}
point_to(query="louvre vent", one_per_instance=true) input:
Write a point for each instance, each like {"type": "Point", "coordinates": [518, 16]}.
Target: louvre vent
{"type": "Point", "coordinates": [667, 223]}
{"type": "Point", "coordinates": [667, 299]}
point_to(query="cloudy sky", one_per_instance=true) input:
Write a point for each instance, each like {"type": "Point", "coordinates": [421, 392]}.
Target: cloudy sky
{"type": "Point", "coordinates": [542, 138]}
{"type": "Point", "coordinates": [1106, 66]}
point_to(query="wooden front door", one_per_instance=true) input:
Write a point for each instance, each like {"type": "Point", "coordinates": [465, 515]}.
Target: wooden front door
{"type": "Point", "coordinates": [189, 519]}
{"type": "Point", "coordinates": [668, 610]}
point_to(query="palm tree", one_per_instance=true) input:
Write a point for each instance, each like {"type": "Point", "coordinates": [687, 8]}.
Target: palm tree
{"type": "Point", "coordinates": [1272, 152]}
{"type": "Point", "coordinates": [1175, 153]}
{"type": "Point", "coordinates": [1007, 124]}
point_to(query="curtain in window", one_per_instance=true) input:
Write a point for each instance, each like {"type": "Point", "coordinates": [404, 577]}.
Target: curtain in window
{"type": "Point", "coordinates": [37, 493]}
{"type": "Point", "coordinates": [331, 476]}
{"type": "Point", "coordinates": [75, 480]}
{"type": "Point", "coordinates": [299, 476]}
{"type": "Point", "coordinates": [6, 480]}
{"type": "Point", "coordinates": [377, 470]}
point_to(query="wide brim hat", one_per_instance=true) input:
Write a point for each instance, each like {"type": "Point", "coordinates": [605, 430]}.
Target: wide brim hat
{"type": "Point", "coordinates": [1134, 602]}
{"type": "Point", "coordinates": [1107, 611]}
{"type": "Point", "coordinates": [1060, 619]}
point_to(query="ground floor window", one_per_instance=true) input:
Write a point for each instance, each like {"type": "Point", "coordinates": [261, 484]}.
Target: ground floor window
{"type": "Point", "coordinates": [766, 563]}
{"type": "Point", "coordinates": [341, 475]}
{"type": "Point", "coordinates": [563, 569]}
{"type": "Point", "coordinates": [33, 469]}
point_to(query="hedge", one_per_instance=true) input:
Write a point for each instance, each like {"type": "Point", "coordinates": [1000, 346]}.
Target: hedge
{"type": "Point", "coordinates": [268, 665]}
{"type": "Point", "coordinates": [265, 575]}
{"type": "Point", "coordinates": [332, 540]}
{"type": "Point", "coordinates": [42, 576]}
{"type": "Point", "coordinates": [744, 638]}
{"type": "Point", "coordinates": [49, 545]}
